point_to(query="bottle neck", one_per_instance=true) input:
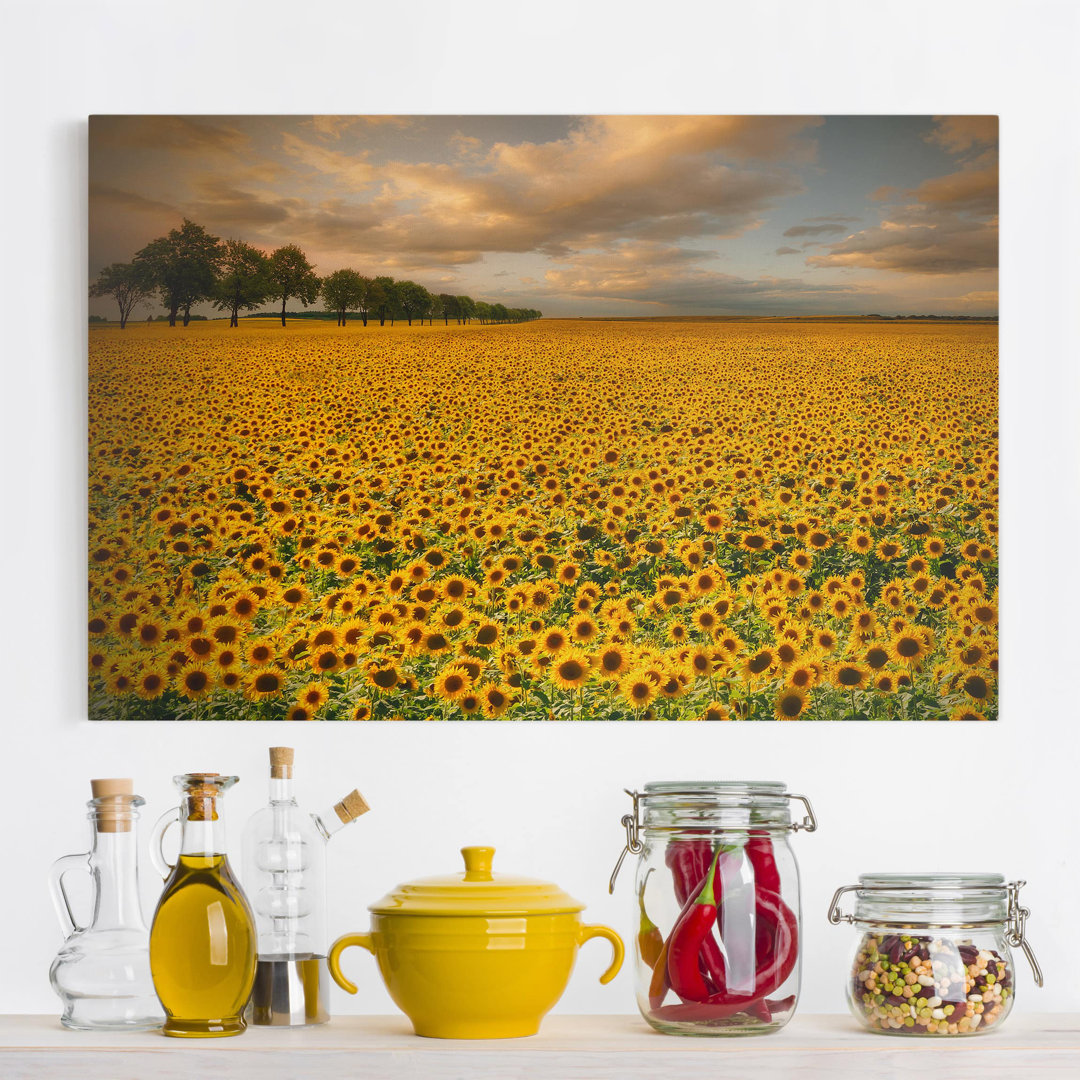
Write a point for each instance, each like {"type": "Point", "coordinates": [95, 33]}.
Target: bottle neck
{"type": "Point", "coordinates": [114, 865]}
{"type": "Point", "coordinates": [328, 822]}
{"type": "Point", "coordinates": [281, 789]}
{"type": "Point", "coordinates": [204, 835]}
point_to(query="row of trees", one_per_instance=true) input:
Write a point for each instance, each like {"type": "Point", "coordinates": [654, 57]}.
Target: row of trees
{"type": "Point", "coordinates": [189, 266]}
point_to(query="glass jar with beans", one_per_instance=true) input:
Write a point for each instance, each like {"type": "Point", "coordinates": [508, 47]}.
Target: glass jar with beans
{"type": "Point", "coordinates": [934, 955]}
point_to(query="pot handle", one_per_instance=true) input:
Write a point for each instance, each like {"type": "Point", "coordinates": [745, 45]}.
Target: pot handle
{"type": "Point", "coordinates": [333, 959]}
{"type": "Point", "coordinates": [617, 948]}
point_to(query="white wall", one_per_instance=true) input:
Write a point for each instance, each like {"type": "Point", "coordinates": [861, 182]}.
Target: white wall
{"type": "Point", "coordinates": [549, 797]}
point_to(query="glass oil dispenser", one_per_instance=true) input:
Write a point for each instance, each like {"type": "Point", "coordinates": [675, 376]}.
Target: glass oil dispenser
{"type": "Point", "coordinates": [102, 971]}
{"type": "Point", "coordinates": [284, 860]}
{"type": "Point", "coordinates": [202, 939]}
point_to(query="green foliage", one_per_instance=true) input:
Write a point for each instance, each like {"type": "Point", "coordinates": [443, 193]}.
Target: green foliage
{"type": "Point", "coordinates": [127, 283]}
{"type": "Point", "coordinates": [182, 266]}
{"type": "Point", "coordinates": [291, 275]}
{"type": "Point", "coordinates": [244, 282]}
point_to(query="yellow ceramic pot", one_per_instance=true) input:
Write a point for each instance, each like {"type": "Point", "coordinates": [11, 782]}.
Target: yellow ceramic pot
{"type": "Point", "coordinates": [475, 955]}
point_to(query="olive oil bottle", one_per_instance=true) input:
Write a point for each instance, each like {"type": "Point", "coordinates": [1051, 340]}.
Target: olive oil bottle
{"type": "Point", "coordinates": [202, 939]}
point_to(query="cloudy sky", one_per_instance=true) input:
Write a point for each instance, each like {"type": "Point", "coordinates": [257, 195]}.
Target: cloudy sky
{"type": "Point", "coordinates": [582, 215]}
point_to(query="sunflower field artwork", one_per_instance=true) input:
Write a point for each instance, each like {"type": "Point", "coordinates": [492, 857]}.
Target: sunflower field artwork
{"type": "Point", "coordinates": [390, 503]}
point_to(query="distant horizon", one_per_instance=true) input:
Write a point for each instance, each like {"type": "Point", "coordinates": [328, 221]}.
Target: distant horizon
{"type": "Point", "coordinates": [635, 216]}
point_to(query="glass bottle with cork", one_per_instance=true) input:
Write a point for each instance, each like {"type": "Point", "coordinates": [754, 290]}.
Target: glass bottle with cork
{"type": "Point", "coordinates": [284, 871]}
{"type": "Point", "coordinates": [202, 939]}
{"type": "Point", "coordinates": [102, 971]}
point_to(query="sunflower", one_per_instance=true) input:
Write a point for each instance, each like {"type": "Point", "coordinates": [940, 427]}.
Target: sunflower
{"type": "Point", "coordinates": [976, 686]}
{"type": "Point", "coordinates": [313, 696]}
{"type": "Point", "coordinates": [495, 699]}
{"type": "Point", "coordinates": [715, 711]}
{"type": "Point", "coordinates": [612, 660]}
{"type": "Point", "coordinates": [324, 660]}
{"type": "Point", "coordinates": [885, 683]}
{"type": "Point", "coordinates": [469, 703]}
{"type": "Point", "coordinates": [758, 663]}
{"type": "Point", "coordinates": [570, 669]}
{"type": "Point", "coordinates": [383, 675]}
{"type": "Point", "coordinates": [487, 633]}
{"type": "Point", "coordinates": [150, 683]}
{"type": "Point", "coordinates": [361, 710]}
{"type": "Point", "coordinates": [964, 712]}
{"type": "Point", "coordinates": [259, 652]}
{"type": "Point", "coordinates": [971, 653]}
{"type": "Point", "coordinates": [908, 647]}
{"type": "Point", "coordinates": [825, 640]}
{"type": "Point", "coordinates": [700, 662]}
{"type": "Point", "coordinates": [846, 676]}
{"type": "Point", "coordinates": [452, 683]}
{"type": "Point", "coordinates": [790, 703]}
{"type": "Point", "coordinates": [861, 541]}
{"type": "Point", "coordinates": [195, 682]}
{"type": "Point", "coordinates": [554, 640]}
{"type": "Point", "coordinates": [299, 713]}
{"type": "Point", "coordinates": [876, 657]}
{"type": "Point", "coordinates": [583, 630]}
{"type": "Point", "coordinates": [294, 595]}
{"type": "Point", "coordinates": [801, 559]}
{"type": "Point", "coordinates": [637, 689]}
{"type": "Point", "coordinates": [889, 550]}
{"type": "Point", "coordinates": [265, 683]}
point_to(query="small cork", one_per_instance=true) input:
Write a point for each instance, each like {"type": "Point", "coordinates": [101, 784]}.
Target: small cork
{"type": "Point", "coordinates": [281, 762]}
{"type": "Point", "coordinates": [115, 815]}
{"type": "Point", "coordinates": [351, 807]}
{"type": "Point", "coordinates": [201, 798]}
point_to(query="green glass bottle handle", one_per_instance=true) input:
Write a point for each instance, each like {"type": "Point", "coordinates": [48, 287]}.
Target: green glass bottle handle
{"type": "Point", "coordinates": [157, 836]}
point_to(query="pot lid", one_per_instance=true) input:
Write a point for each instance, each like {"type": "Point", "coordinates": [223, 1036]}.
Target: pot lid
{"type": "Point", "coordinates": [476, 890]}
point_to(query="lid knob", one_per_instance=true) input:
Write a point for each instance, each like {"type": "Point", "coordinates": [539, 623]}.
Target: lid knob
{"type": "Point", "coordinates": [478, 863]}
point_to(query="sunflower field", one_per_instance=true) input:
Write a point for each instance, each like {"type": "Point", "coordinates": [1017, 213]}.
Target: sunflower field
{"type": "Point", "coordinates": [564, 520]}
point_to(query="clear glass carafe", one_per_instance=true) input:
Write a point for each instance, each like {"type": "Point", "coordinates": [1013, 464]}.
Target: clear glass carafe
{"type": "Point", "coordinates": [202, 938]}
{"type": "Point", "coordinates": [716, 906]}
{"type": "Point", "coordinates": [933, 956]}
{"type": "Point", "coordinates": [102, 971]}
{"type": "Point", "coordinates": [284, 873]}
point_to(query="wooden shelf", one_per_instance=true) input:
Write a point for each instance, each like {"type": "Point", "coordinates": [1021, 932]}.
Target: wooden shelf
{"type": "Point", "coordinates": [623, 1047]}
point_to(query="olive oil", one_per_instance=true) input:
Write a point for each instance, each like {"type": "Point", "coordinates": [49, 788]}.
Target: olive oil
{"type": "Point", "coordinates": [202, 949]}
{"type": "Point", "coordinates": [202, 940]}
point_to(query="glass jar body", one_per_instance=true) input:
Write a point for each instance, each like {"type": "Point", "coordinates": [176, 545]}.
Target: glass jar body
{"type": "Point", "coordinates": [932, 981]}
{"type": "Point", "coordinates": [733, 974]}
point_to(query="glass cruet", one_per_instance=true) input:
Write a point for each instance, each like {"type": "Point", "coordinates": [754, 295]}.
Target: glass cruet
{"type": "Point", "coordinates": [284, 873]}
{"type": "Point", "coordinates": [102, 971]}
{"type": "Point", "coordinates": [202, 938]}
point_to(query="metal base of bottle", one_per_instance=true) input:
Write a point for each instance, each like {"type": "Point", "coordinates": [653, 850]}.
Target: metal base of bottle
{"type": "Point", "coordinates": [290, 991]}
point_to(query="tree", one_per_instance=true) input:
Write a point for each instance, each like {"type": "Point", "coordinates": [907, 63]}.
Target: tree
{"type": "Point", "coordinates": [482, 311]}
{"type": "Point", "coordinates": [467, 306]}
{"type": "Point", "coordinates": [498, 313]}
{"type": "Point", "coordinates": [385, 294]}
{"type": "Point", "coordinates": [342, 291]}
{"type": "Point", "coordinates": [435, 308]}
{"type": "Point", "coordinates": [413, 299]}
{"type": "Point", "coordinates": [243, 281]}
{"type": "Point", "coordinates": [182, 266]}
{"type": "Point", "coordinates": [127, 283]}
{"type": "Point", "coordinates": [292, 275]}
{"type": "Point", "coordinates": [369, 298]}
{"type": "Point", "coordinates": [451, 309]}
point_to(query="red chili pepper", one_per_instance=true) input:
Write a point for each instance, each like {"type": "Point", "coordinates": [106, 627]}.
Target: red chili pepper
{"type": "Point", "coordinates": [778, 923]}
{"type": "Point", "coordinates": [759, 851]}
{"type": "Point", "coordinates": [688, 861]}
{"type": "Point", "coordinates": [687, 941]}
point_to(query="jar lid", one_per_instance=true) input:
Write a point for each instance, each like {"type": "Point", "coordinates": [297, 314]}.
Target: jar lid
{"type": "Point", "coordinates": [929, 899]}
{"type": "Point", "coordinates": [476, 890]}
{"type": "Point", "coordinates": [677, 805]}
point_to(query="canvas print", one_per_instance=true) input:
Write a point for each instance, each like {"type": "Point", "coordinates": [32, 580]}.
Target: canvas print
{"type": "Point", "coordinates": [492, 418]}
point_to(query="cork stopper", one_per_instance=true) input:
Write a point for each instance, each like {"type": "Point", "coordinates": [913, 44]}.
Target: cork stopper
{"type": "Point", "coordinates": [115, 814]}
{"type": "Point", "coordinates": [201, 797]}
{"type": "Point", "coordinates": [281, 762]}
{"type": "Point", "coordinates": [351, 807]}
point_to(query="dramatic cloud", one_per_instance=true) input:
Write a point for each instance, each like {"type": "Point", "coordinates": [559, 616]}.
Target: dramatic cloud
{"type": "Point", "coordinates": [946, 225]}
{"type": "Point", "coordinates": [787, 251]}
{"type": "Point", "coordinates": [814, 230]}
{"type": "Point", "coordinates": [957, 134]}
